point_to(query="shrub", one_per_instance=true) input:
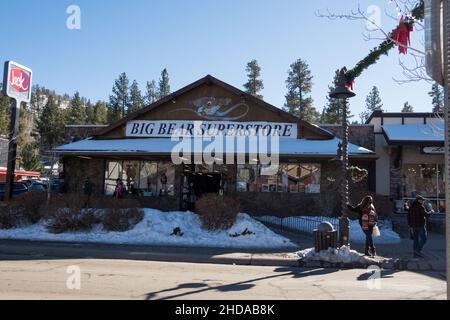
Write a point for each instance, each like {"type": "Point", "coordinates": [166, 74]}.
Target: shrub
{"type": "Point", "coordinates": [217, 212]}
{"type": "Point", "coordinates": [121, 214]}
{"type": "Point", "coordinates": [66, 215]}
{"type": "Point", "coordinates": [31, 203]}
{"type": "Point", "coordinates": [9, 218]}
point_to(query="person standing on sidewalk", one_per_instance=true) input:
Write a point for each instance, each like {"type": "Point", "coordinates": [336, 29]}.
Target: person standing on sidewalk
{"type": "Point", "coordinates": [417, 222]}
{"type": "Point", "coordinates": [367, 220]}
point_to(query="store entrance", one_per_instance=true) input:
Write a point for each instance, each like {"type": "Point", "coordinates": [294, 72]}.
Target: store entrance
{"type": "Point", "coordinates": [199, 180]}
{"type": "Point", "coordinates": [206, 183]}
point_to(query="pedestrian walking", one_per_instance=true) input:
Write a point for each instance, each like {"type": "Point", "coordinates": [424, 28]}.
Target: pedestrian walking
{"type": "Point", "coordinates": [417, 222]}
{"type": "Point", "coordinates": [368, 219]}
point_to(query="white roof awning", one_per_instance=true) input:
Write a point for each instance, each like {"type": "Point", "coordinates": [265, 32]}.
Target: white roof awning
{"type": "Point", "coordinates": [430, 133]}
{"type": "Point", "coordinates": [167, 146]}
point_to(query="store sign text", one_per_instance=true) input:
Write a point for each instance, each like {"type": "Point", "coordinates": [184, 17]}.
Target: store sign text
{"type": "Point", "coordinates": [168, 128]}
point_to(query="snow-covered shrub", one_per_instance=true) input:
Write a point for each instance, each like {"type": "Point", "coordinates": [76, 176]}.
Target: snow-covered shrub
{"type": "Point", "coordinates": [217, 212]}
{"type": "Point", "coordinates": [121, 215]}
{"type": "Point", "coordinates": [67, 215]}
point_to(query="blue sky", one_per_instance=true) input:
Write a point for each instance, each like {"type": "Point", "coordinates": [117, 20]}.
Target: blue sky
{"type": "Point", "coordinates": [192, 38]}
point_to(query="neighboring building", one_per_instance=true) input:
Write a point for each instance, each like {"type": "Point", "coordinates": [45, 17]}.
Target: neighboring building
{"type": "Point", "coordinates": [138, 149]}
{"type": "Point", "coordinates": [410, 150]}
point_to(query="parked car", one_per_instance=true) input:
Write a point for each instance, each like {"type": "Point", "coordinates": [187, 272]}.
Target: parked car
{"type": "Point", "coordinates": [18, 188]}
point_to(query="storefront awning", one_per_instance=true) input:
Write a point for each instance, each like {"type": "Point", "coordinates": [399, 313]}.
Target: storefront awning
{"type": "Point", "coordinates": [417, 134]}
{"type": "Point", "coordinates": [165, 146]}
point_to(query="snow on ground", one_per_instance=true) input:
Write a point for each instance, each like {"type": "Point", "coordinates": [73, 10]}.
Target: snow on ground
{"type": "Point", "coordinates": [341, 255]}
{"type": "Point", "coordinates": [303, 223]}
{"type": "Point", "coordinates": [156, 229]}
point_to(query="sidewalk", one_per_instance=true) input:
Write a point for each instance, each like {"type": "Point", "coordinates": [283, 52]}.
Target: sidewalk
{"type": "Point", "coordinates": [391, 256]}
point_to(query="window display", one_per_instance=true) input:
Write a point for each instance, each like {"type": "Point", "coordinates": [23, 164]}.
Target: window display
{"type": "Point", "coordinates": [286, 178]}
{"type": "Point", "coordinates": [142, 178]}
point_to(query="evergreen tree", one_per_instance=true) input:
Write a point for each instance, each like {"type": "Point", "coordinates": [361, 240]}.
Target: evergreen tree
{"type": "Point", "coordinates": [373, 102]}
{"type": "Point", "coordinates": [4, 114]}
{"type": "Point", "coordinates": [151, 95]}
{"type": "Point", "coordinates": [29, 158]}
{"type": "Point", "coordinates": [407, 107]}
{"type": "Point", "coordinates": [90, 113]}
{"type": "Point", "coordinates": [100, 111]}
{"type": "Point", "coordinates": [119, 100]}
{"type": "Point", "coordinates": [164, 86]}
{"type": "Point", "coordinates": [299, 84]}
{"type": "Point", "coordinates": [437, 95]}
{"type": "Point", "coordinates": [254, 84]}
{"type": "Point", "coordinates": [332, 113]}
{"type": "Point", "coordinates": [136, 99]}
{"type": "Point", "coordinates": [50, 125]}
{"type": "Point", "coordinates": [76, 112]}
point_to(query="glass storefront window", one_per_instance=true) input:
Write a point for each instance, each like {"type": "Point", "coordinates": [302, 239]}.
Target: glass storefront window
{"type": "Point", "coordinates": [144, 178]}
{"type": "Point", "coordinates": [427, 180]}
{"type": "Point", "coordinates": [287, 178]}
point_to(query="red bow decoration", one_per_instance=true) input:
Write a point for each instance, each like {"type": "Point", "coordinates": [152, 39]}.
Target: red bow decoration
{"type": "Point", "coordinates": [350, 84]}
{"type": "Point", "coordinates": [402, 36]}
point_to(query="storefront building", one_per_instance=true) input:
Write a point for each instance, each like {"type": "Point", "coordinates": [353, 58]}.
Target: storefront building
{"type": "Point", "coordinates": [410, 150]}
{"type": "Point", "coordinates": [139, 149]}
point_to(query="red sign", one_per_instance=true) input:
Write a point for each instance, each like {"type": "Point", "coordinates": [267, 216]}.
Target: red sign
{"type": "Point", "coordinates": [17, 81]}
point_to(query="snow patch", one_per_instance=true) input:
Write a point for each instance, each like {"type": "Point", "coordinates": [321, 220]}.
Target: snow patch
{"type": "Point", "coordinates": [156, 229]}
{"type": "Point", "coordinates": [341, 255]}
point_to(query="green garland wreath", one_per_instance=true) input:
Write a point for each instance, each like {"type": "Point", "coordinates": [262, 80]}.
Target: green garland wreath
{"type": "Point", "coordinates": [375, 54]}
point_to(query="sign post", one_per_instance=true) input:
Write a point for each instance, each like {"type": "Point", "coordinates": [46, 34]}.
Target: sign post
{"type": "Point", "coordinates": [16, 85]}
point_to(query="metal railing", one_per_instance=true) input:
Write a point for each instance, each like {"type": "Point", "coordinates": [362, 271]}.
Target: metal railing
{"type": "Point", "coordinates": [297, 224]}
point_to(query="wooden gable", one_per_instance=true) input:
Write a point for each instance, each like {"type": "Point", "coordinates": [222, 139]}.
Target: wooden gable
{"type": "Point", "coordinates": [212, 99]}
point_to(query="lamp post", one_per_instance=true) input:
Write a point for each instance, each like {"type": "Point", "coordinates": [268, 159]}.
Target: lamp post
{"type": "Point", "coordinates": [342, 92]}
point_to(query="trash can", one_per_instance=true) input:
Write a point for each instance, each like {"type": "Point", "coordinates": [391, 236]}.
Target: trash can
{"type": "Point", "coordinates": [325, 237]}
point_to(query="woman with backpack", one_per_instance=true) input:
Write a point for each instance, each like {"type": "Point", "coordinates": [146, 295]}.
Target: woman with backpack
{"type": "Point", "coordinates": [367, 220]}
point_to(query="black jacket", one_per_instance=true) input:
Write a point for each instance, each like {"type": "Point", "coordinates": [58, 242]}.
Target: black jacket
{"type": "Point", "coordinates": [418, 215]}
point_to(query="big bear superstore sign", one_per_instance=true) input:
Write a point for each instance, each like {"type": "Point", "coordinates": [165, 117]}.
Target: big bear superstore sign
{"type": "Point", "coordinates": [168, 128]}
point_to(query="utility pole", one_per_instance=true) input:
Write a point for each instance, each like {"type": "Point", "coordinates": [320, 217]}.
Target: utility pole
{"type": "Point", "coordinates": [446, 42]}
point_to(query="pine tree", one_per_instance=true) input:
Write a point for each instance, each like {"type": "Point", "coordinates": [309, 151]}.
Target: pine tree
{"type": "Point", "coordinates": [151, 95]}
{"type": "Point", "coordinates": [407, 107]}
{"type": "Point", "coordinates": [119, 100]}
{"type": "Point", "coordinates": [299, 84]}
{"type": "Point", "coordinates": [100, 111]}
{"type": "Point", "coordinates": [4, 114]}
{"type": "Point", "coordinates": [136, 99]}
{"type": "Point", "coordinates": [164, 86]}
{"type": "Point", "coordinates": [254, 84]}
{"type": "Point", "coordinates": [90, 113]}
{"type": "Point", "coordinates": [29, 158]}
{"type": "Point", "coordinates": [332, 113]}
{"type": "Point", "coordinates": [76, 112]}
{"type": "Point", "coordinates": [373, 102]}
{"type": "Point", "coordinates": [437, 95]}
{"type": "Point", "coordinates": [50, 125]}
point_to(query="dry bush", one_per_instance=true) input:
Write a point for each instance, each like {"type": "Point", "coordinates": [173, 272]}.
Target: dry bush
{"type": "Point", "coordinates": [9, 217]}
{"type": "Point", "coordinates": [31, 203]}
{"type": "Point", "coordinates": [121, 220]}
{"type": "Point", "coordinates": [67, 215]}
{"type": "Point", "coordinates": [121, 215]}
{"type": "Point", "coordinates": [217, 212]}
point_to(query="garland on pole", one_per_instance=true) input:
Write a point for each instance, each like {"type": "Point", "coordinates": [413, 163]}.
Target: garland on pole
{"type": "Point", "coordinates": [400, 36]}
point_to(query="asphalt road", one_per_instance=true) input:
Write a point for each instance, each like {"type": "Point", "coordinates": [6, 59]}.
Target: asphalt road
{"type": "Point", "coordinates": [38, 277]}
